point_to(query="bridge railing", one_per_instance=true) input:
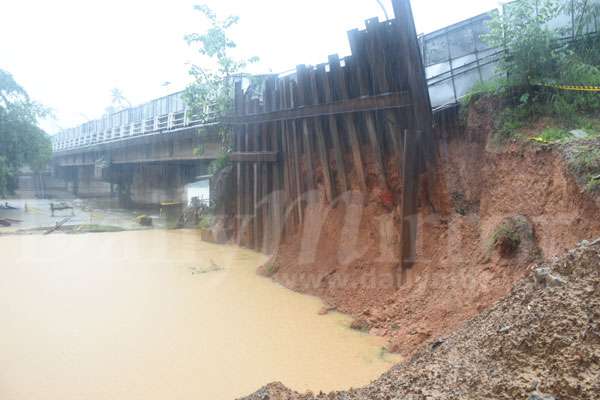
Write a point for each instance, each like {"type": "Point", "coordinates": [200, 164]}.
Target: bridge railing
{"type": "Point", "coordinates": [97, 132]}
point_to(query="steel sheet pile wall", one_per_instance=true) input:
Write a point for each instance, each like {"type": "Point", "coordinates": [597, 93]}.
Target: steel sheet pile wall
{"type": "Point", "coordinates": [349, 125]}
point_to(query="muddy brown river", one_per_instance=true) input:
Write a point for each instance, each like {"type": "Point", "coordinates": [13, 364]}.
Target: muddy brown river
{"type": "Point", "coordinates": [144, 315]}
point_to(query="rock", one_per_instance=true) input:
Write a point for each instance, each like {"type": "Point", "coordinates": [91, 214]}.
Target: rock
{"type": "Point", "coordinates": [584, 243]}
{"type": "Point", "coordinates": [360, 324]}
{"type": "Point", "coordinates": [555, 281]}
{"type": "Point", "coordinates": [539, 396]}
{"type": "Point", "coordinates": [504, 329]}
{"type": "Point", "coordinates": [437, 343]}
{"type": "Point", "coordinates": [544, 278]}
{"type": "Point", "coordinates": [540, 274]}
{"type": "Point", "coordinates": [579, 133]}
{"type": "Point", "coordinates": [377, 332]}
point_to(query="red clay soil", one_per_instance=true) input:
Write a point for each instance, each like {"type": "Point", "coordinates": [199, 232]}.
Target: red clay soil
{"type": "Point", "coordinates": [458, 273]}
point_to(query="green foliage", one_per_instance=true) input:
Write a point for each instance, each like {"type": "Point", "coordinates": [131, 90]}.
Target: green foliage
{"type": "Point", "coordinates": [506, 235]}
{"type": "Point", "coordinates": [553, 135]}
{"type": "Point", "coordinates": [210, 95]}
{"type": "Point", "coordinates": [523, 31]}
{"type": "Point", "coordinates": [217, 165]}
{"type": "Point", "coordinates": [213, 80]}
{"type": "Point", "coordinates": [510, 234]}
{"type": "Point", "coordinates": [21, 141]}
{"type": "Point", "coordinates": [535, 60]}
{"type": "Point", "coordinates": [206, 221]}
{"type": "Point", "coordinates": [495, 87]}
{"type": "Point", "coordinates": [509, 123]}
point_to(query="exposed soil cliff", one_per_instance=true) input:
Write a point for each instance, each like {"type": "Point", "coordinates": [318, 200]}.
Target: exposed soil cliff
{"type": "Point", "coordinates": [464, 226]}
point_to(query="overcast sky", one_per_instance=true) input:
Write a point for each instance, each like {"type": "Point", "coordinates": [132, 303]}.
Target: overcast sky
{"type": "Point", "coordinates": [70, 54]}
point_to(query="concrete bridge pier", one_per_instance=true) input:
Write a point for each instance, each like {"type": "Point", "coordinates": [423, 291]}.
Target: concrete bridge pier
{"type": "Point", "coordinates": [142, 184]}
{"type": "Point", "coordinates": [142, 170]}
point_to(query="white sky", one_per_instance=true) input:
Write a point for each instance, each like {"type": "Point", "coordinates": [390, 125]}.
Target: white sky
{"type": "Point", "coordinates": [70, 54]}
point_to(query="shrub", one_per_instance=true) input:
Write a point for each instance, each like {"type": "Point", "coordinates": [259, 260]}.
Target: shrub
{"type": "Point", "coordinates": [536, 61]}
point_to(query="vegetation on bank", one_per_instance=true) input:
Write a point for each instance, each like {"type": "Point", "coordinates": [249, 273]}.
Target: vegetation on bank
{"type": "Point", "coordinates": [537, 60]}
{"type": "Point", "coordinates": [22, 142]}
{"type": "Point", "coordinates": [531, 105]}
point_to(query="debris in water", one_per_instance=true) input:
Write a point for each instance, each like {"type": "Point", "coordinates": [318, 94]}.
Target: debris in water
{"type": "Point", "coordinates": [145, 220]}
{"type": "Point", "coordinates": [213, 267]}
{"type": "Point", "coordinates": [58, 225]}
{"type": "Point", "coordinates": [8, 221]}
{"type": "Point", "coordinates": [7, 206]}
{"type": "Point", "coordinates": [61, 206]}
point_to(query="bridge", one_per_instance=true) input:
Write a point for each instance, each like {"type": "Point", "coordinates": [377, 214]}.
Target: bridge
{"type": "Point", "coordinates": [145, 154]}
{"type": "Point", "coordinates": [150, 152]}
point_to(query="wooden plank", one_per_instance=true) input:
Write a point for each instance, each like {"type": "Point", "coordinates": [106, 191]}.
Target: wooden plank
{"type": "Point", "coordinates": [256, 156]}
{"type": "Point", "coordinates": [266, 200]}
{"type": "Point", "coordinates": [360, 104]}
{"type": "Point", "coordinates": [239, 104]}
{"type": "Point", "coordinates": [254, 138]}
{"type": "Point", "coordinates": [362, 68]}
{"type": "Point", "coordinates": [296, 154]}
{"type": "Point", "coordinates": [297, 176]}
{"type": "Point", "coordinates": [285, 154]}
{"type": "Point", "coordinates": [247, 183]}
{"type": "Point", "coordinates": [350, 125]}
{"type": "Point", "coordinates": [318, 124]}
{"type": "Point", "coordinates": [277, 175]}
{"type": "Point", "coordinates": [309, 174]}
{"type": "Point", "coordinates": [410, 176]}
{"type": "Point", "coordinates": [378, 57]}
{"type": "Point", "coordinates": [334, 64]}
{"type": "Point", "coordinates": [378, 61]}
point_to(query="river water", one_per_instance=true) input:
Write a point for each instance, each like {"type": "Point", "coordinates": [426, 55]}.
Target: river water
{"type": "Point", "coordinates": [145, 315]}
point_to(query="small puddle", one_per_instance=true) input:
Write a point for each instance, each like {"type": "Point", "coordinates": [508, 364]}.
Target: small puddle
{"type": "Point", "coordinates": [161, 315]}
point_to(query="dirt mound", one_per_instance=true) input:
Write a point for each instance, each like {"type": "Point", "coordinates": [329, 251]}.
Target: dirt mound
{"type": "Point", "coordinates": [542, 341]}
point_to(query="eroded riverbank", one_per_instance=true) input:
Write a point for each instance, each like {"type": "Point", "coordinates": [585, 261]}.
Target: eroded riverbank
{"type": "Point", "coordinates": [132, 315]}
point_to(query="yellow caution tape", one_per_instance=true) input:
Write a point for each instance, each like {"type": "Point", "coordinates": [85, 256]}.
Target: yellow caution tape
{"type": "Point", "coordinates": [576, 88]}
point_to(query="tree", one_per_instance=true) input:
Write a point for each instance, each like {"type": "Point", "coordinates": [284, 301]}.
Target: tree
{"type": "Point", "coordinates": [118, 102]}
{"type": "Point", "coordinates": [536, 59]}
{"type": "Point", "coordinates": [213, 80]}
{"type": "Point", "coordinates": [523, 30]}
{"type": "Point", "coordinates": [22, 142]}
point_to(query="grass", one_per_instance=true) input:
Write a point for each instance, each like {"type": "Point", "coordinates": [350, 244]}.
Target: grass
{"type": "Point", "coordinates": [508, 125]}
